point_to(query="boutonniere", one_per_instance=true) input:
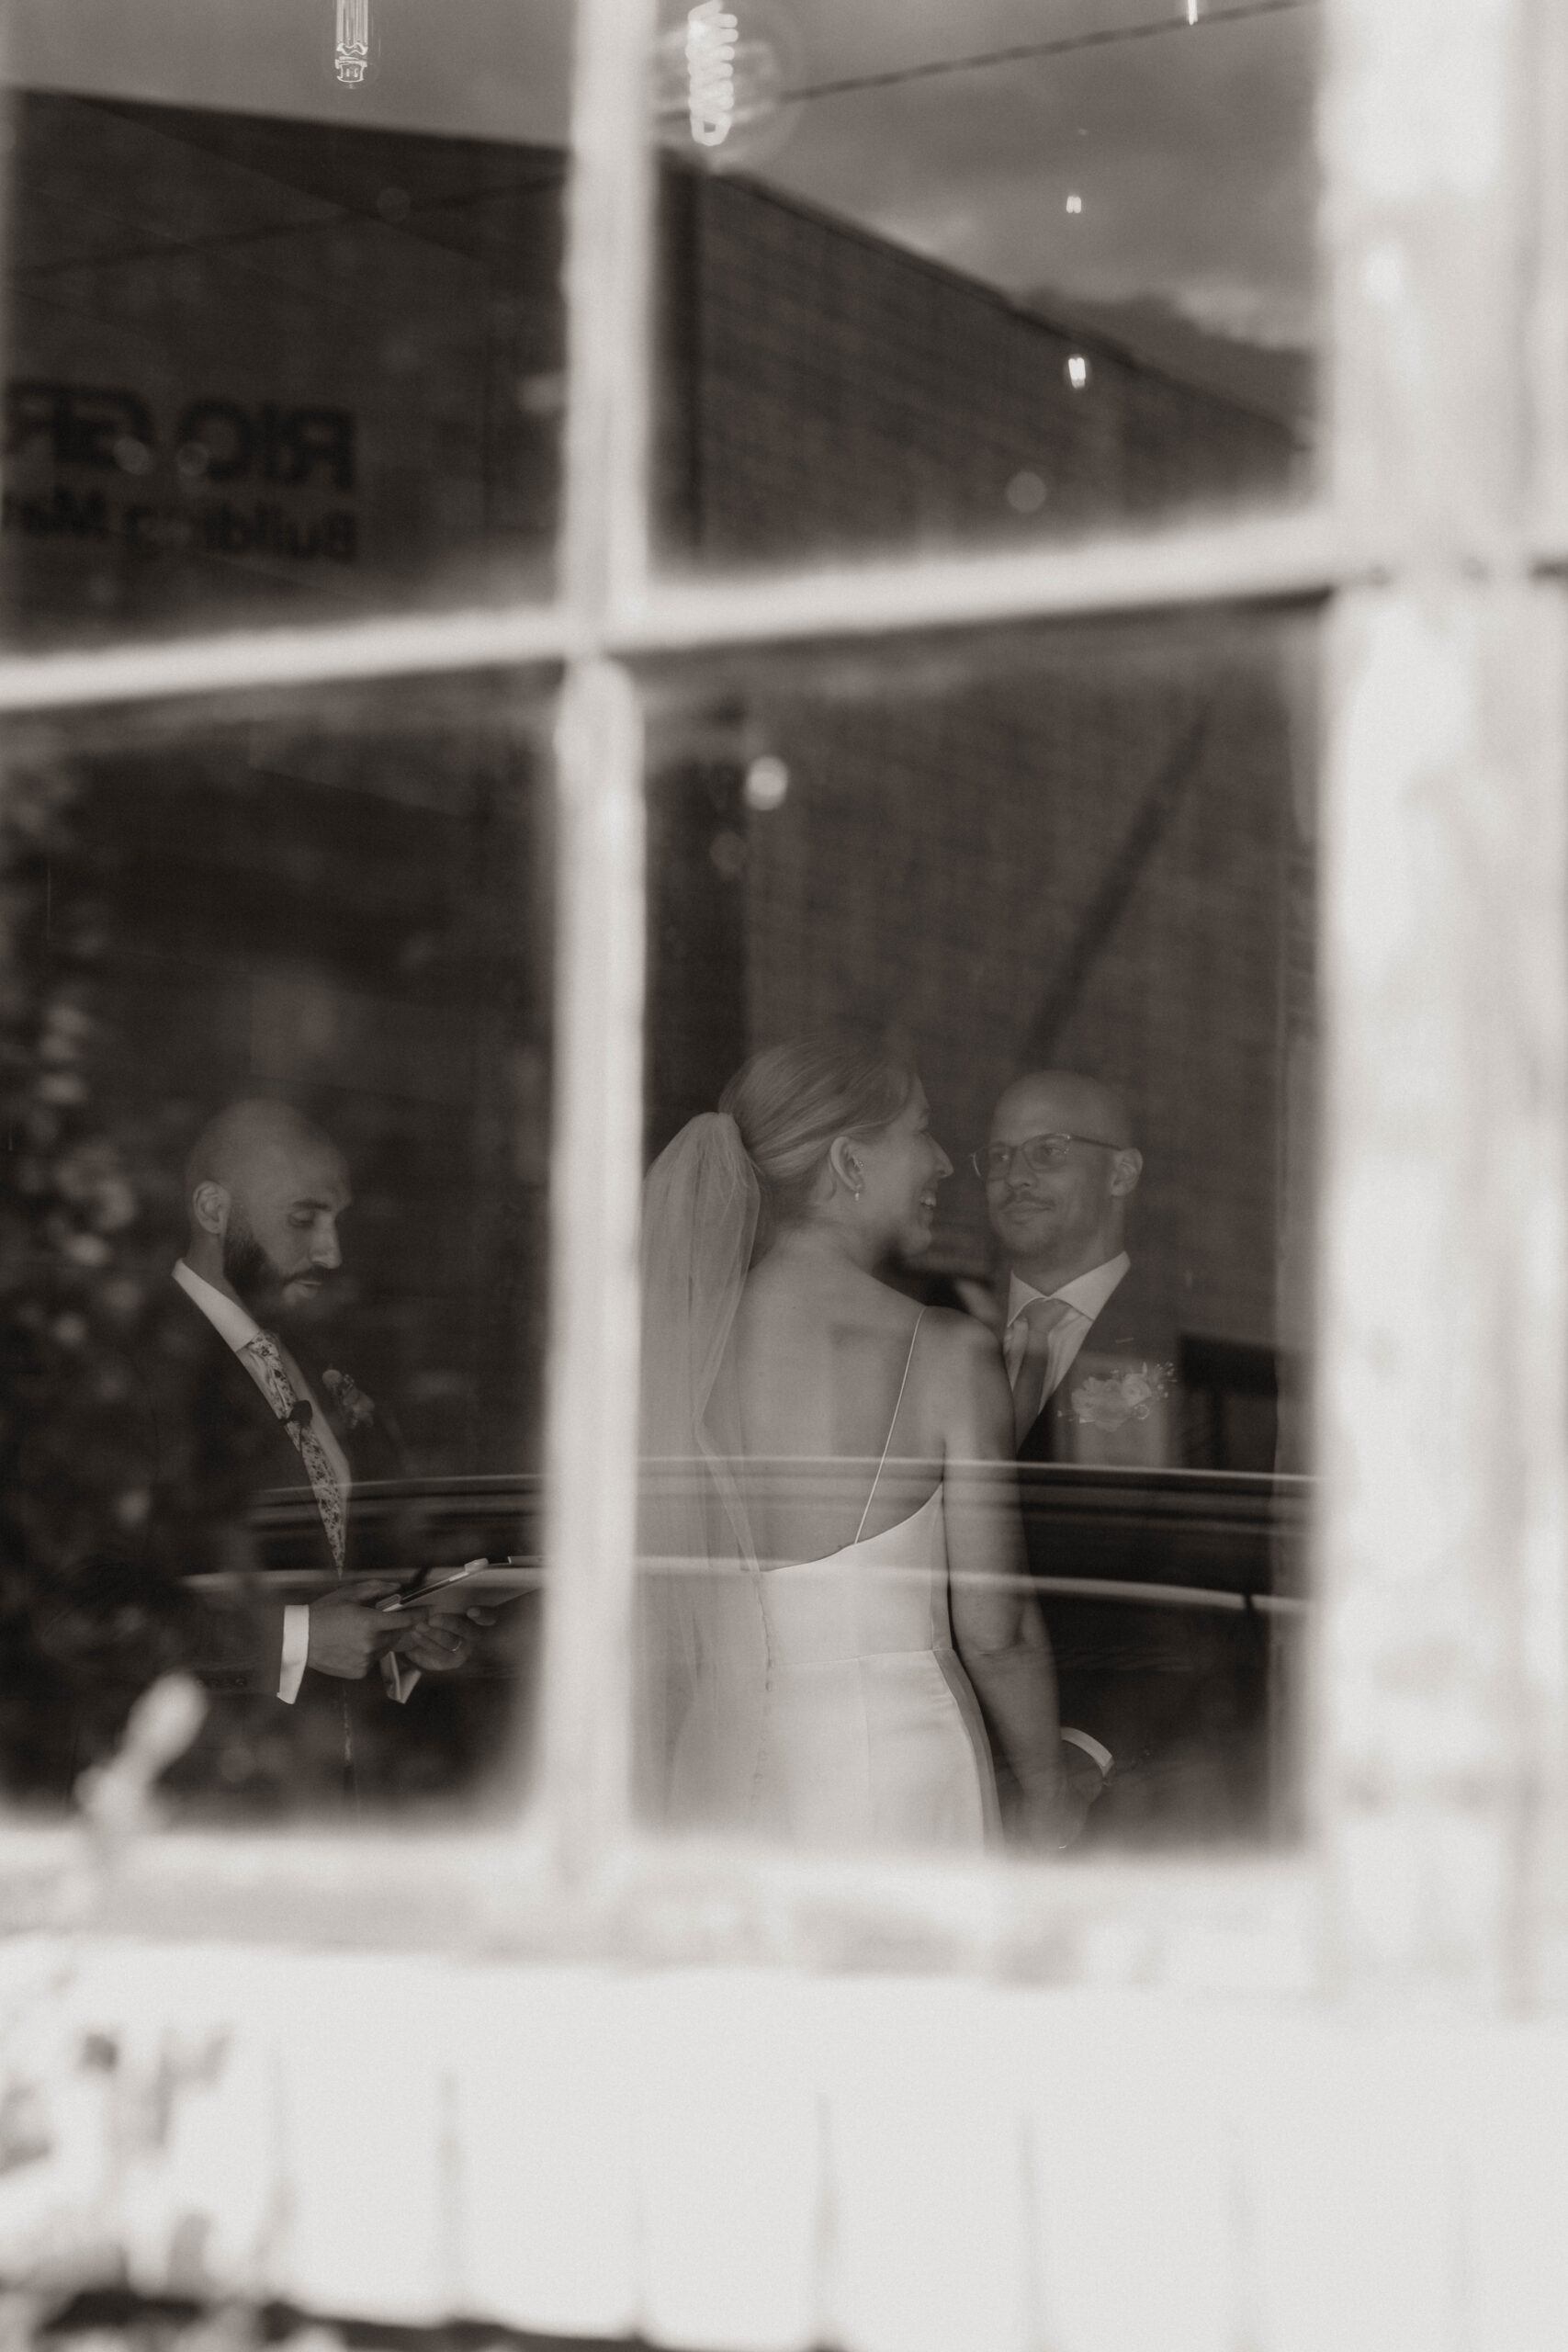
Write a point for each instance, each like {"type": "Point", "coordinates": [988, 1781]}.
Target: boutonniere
{"type": "Point", "coordinates": [353, 1407]}
{"type": "Point", "coordinates": [1123, 1396]}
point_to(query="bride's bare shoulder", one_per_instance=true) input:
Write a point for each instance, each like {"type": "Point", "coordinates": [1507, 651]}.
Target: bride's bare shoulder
{"type": "Point", "coordinates": [781, 1292]}
{"type": "Point", "coordinates": [959, 1343]}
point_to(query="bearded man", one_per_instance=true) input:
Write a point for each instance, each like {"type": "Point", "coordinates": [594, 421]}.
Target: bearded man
{"type": "Point", "coordinates": [230, 1408]}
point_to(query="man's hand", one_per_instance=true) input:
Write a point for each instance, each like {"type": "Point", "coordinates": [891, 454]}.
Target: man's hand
{"type": "Point", "coordinates": [1052, 1814]}
{"type": "Point", "coordinates": [347, 1631]}
{"type": "Point", "coordinates": [435, 1645]}
{"type": "Point", "coordinates": [1086, 1781]}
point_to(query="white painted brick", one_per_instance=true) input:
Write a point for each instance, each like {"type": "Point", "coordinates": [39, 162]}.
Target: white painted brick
{"type": "Point", "coordinates": [1352, 2190]}
{"type": "Point", "coordinates": [1131, 2140]}
{"type": "Point", "coordinates": [370, 2218]}
{"type": "Point", "coordinates": [546, 2063]}
{"type": "Point", "coordinates": [1517, 2145]}
{"type": "Point", "coordinates": [924, 2176]}
{"type": "Point", "coordinates": [729, 2145]}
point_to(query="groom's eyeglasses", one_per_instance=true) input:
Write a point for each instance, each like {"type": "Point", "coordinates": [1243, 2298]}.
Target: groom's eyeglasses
{"type": "Point", "coordinates": [1040, 1152]}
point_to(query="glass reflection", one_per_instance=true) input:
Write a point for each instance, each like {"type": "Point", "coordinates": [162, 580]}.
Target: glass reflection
{"type": "Point", "coordinates": [930, 281]}
{"type": "Point", "coordinates": [977, 1241]}
{"type": "Point", "coordinates": [277, 1022]}
{"type": "Point", "coordinates": [282, 338]}
{"type": "Point", "coordinates": [835, 1665]}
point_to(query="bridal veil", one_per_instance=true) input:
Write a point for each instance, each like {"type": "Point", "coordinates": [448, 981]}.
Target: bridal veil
{"type": "Point", "coordinates": [701, 1657]}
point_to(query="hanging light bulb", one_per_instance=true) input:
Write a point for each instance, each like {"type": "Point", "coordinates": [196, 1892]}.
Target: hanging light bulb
{"type": "Point", "coordinates": [724, 70]}
{"type": "Point", "coordinates": [353, 55]}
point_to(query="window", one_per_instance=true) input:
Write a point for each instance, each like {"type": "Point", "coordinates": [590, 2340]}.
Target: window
{"type": "Point", "coordinates": [334, 907]}
{"type": "Point", "coordinates": [1068, 874]}
{"type": "Point", "coordinates": [1421, 577]}
{"type": "Point", "coordinates": [925, 283]}
{"type": "Point", "coordinates": [282, 346]}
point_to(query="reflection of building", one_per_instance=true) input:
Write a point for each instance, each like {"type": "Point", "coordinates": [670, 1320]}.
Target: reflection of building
{"type": "Point", "coordinates": [280, 365]}
{"type": "Point", "coordinates": [266, 364]}
{"type": "Point", "coordinates": [296, 367]}
{"type": "Point", "coordinates": [340, 903]}
{"type": "Point", "coordinates": [828, 392]}
{"type": "Point", "coordinates": [1039, 862]}
{"type": "Point", "coordinates": [1032, 857]}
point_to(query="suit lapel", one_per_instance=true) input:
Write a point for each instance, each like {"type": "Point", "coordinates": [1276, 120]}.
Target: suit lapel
{"type": "Point", "coordinates": [1109, 1334]}
{"type": "Point", "coordinates": [243, 1401]}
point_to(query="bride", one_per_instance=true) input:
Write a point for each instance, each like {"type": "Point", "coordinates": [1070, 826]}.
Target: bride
{"type": "Point", "coordinates": [834, 1623]}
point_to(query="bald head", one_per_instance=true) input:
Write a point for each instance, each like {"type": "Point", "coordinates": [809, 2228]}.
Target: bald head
{"type": "Point", "coordinates": [1061, 1102]}
{"type": "Point", "coordinates": [265, 1190]}
{"type": "Point", "coordinates": [240, 1139]}
{"type": "Point", "coordinates": [1059, 1219]}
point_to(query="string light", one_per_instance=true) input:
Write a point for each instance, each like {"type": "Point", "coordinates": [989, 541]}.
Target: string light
{"type": "Point", "coordinates": [724, 83]}
{"type": "Point", "coordinates": [766, 785]}
{"type": "Point", "coordinates": [352, 55]}
{"type": "Point", "coordinates": [721, 79]}
{"type": "Point", "coordinates": [1109, 38]}
{"type": "Point", "coordinates": [711, 42]}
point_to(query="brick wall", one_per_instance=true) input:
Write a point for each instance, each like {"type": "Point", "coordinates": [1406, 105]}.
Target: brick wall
{"type": "Point", "coordinates": [945, 841]}
{"type": "Point", "coordinates": [827, 391]}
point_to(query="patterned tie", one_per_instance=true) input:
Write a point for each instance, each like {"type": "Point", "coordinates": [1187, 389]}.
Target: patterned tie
{"type": "Point", "coordinates": [313, 1452]}
{"type": "Point", "coordinates": [1040, 1318]}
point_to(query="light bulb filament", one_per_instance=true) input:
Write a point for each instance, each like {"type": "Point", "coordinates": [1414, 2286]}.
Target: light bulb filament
{"type": "Point", "coordinates": [712, 38]}
{"type": "Point", "coordinates": [352, 55]}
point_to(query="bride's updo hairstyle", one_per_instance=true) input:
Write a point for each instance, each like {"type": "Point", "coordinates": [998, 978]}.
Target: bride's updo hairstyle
{"type": "Point", "coordinates": [790, 1102]}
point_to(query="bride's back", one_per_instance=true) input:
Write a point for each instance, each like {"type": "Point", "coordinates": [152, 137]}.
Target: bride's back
{"type": "Point", "coordinates": [827, 1370]}
{"type": "Point", "coordinates": [767, 1337]}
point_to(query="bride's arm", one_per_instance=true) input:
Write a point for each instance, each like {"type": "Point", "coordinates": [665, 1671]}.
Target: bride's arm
{"type": "Point", "coordinates": [997, 1624]}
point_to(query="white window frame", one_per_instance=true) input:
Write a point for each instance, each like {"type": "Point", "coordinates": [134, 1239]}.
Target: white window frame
{"type": "Point", "coordinates": [1437, 1760]}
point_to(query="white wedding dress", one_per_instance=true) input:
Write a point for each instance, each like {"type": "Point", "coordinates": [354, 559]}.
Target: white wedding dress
{"type": "Point", "coordinates": [871, 1734]}
{"type": "Point", "coordinates": [821, 1702]}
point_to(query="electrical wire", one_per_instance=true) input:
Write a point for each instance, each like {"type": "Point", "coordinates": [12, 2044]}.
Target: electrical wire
{"type": "Point", "coordinates": [1061, 47]}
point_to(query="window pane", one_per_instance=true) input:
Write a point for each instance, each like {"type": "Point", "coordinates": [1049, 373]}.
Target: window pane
{"type": "Point", "coordinates": [936, 276]}
{"type": "Point", "coordinates": [333, 912]}
{"type": "Point", "coordinates": [281, 343]}
{"type": "Point", "coordinates": [1067, 879]}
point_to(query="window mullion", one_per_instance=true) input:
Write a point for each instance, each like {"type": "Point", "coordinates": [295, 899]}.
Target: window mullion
{"type": "Point", "coordinates": [596, 1162]}
{"type": "Point", "coordinates": [1549, 320]}
{"type": "Point", "coordinates": [591, 1452]}
{"type": "Point", "coordinates": [1446, 866]}
{"type": "Point", "coordinates": [609, 261]}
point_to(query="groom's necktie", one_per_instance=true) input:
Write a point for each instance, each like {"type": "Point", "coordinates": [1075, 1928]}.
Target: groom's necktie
{"type": "Point", "coordinates": [1040, 1318]}
{"type": "Point", "coordinates": [295, 1413]}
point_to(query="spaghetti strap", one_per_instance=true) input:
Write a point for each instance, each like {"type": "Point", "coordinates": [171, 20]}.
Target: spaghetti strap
{"type": "Point", "coordinates": [891, 1426]}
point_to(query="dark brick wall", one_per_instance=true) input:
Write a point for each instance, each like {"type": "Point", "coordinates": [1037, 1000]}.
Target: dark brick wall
{"type": "Point", "coordinates": [948, 826]}
{"type": "Point", "coordinates": [826, 391]}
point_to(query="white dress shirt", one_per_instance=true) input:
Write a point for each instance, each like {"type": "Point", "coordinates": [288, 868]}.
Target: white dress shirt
{"type": "Point", "coordinates": [237, 1329]}
{"type": "Point", "coordinates": [1085, 1294]}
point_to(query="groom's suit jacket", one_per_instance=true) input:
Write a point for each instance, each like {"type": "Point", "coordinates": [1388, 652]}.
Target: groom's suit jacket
{"type": "Point", "coordinates": [1157, 1683]}
{"type": "Point", "coordinates": [1131, 1332]}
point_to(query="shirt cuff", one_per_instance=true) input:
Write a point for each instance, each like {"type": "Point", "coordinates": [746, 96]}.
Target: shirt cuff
{"type": "Point", "coordinates": [398, 1677]}
{"type": "Point", "coordinates": [296, 1650]}
{"type": "Point", "coordinates": [1091, 1747]}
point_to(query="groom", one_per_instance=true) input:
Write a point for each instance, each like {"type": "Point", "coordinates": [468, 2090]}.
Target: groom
{"type": "Point", "coordinates": [1091, 1384]}
{"type": "Point", "coordinates": [1059, 1169]}
{"type": "Point", "coordinates": [1090, 1379]}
